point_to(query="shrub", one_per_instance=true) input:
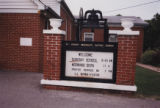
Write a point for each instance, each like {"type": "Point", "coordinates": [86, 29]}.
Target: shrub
{"type": "Point", "coordinates": [148, 57]}
{"type": "Point", "coordinates": [156, 59]}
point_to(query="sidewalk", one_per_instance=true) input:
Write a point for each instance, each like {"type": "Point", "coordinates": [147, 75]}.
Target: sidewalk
{"type": "Point", "coordinates": [149, 67]}
{"type": "Point", "coordinates": [23, 90]}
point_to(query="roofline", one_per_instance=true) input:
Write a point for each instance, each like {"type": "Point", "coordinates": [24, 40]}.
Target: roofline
{"type": "Point", "coordinates": [50, 13]}
{"type": "Point", "coordinates": [135, 24]}
{"type": "Point", "coordinates": [49, 10]}
{"type": "Point", "coordinates": [53, 12]}
{"type": "Point", "coordinates": [63, 3]}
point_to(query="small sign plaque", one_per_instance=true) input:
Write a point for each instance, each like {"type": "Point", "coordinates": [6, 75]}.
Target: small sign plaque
{"type": "Point", "coordinates": [88, 64]}
{"type": "Point", "coordinates": [25, 41]}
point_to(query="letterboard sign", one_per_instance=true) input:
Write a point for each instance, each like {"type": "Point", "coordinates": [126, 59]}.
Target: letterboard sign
{"type": "Point", "coordinates": [89, 64]}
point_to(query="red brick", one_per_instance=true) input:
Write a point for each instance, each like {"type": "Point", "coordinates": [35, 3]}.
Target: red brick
{"type": "Point", "coordinates": [126, 60]}
{"type": "Point", "coordinates": [12, 55]}
{"type": "Point", "coordinates": [52, 56]}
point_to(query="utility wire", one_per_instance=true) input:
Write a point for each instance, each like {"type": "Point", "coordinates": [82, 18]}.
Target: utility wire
{"type": "Point", "coordinates": [131, 6]}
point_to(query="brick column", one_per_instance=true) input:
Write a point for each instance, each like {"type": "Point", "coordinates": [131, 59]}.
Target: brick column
{"type": "Point", "coordinates": [126, 62]}
{"type": "Point", "coordinates": [127, 52]}
{"type": "Point", "coordinates": [52, 50]}
{"type": "Point", "coordinates": [52, 56]}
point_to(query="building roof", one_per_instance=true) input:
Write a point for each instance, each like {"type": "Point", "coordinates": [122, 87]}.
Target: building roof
{"type": "Point", "coordinates": [116, 20]}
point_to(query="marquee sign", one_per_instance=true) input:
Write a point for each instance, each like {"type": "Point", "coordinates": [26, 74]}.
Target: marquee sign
{"type": "Point", "coordinates": [85, 63]}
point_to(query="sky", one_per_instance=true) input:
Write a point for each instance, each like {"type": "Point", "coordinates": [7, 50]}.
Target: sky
{"type": "Point", "coordinates": [146, 12]}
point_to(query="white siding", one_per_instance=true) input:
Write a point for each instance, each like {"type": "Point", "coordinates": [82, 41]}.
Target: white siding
{"type": "Point", "coordinates": [18, 6]}
{"type": "Point", "coordinates": [24, 6]}
{"type": "Point", "coordinates": [11, 4]}
{"type": "Point", "coordinates": [54, 4]}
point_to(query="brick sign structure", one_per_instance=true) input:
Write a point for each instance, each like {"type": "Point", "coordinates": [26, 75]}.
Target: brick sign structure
{"type": "Point", "coordinates": [126, 62]}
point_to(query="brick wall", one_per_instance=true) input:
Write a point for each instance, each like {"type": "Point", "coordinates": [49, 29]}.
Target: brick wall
{"type": "Point", "coordinates": [12, 55]}
{"type": "Point", "coordinates": [24, 58]}
{"type": "Point", "coordinates": [139, 42]}
{"type": "Point", "coordinates": [98, 37]}
{"type": "Point", "coordinates": [126, 62]}
{"type": "Point", "coordinates": [52, 56]}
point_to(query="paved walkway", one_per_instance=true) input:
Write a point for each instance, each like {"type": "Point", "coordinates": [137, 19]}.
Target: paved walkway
{"type": "Point", "coordinates": [149, 67]}
{"type": "Point", "coordinates": [23, 90]}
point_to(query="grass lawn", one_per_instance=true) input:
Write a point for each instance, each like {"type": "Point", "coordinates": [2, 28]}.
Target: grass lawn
{"type": "Point", "coordinates": [148, 83]}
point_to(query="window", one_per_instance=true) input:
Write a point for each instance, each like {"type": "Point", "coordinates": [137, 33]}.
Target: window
{"type": "Point", "coordinates": [88, 36]}
{"type": "Point", "coordinates": [112, 38]}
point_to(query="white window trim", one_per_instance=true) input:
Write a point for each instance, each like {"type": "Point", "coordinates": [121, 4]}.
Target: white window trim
{"type": "Point", "coordinates": [88, 33]}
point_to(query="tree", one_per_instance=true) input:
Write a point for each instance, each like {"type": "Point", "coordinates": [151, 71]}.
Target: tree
{"type": "Point", "coordinates": [118, 15]}
{"type": "Point", "coordinates": [152, 33]}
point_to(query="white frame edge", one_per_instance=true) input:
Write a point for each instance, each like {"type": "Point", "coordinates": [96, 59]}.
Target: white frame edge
{"type": "Point", "coordinates": [61, 32]}
{"type": "Point", "coordinates": [89, 85]}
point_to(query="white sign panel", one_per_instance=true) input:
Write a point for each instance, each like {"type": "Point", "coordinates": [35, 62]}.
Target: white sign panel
{"type": "Point", "coordinates": [85, 64]}
{"type": "Point", "coordinates": [25, 41]}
